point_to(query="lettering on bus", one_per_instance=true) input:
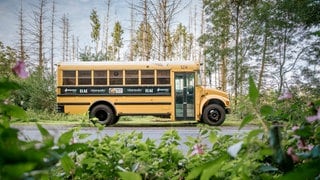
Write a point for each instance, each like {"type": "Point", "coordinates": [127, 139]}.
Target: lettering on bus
{"type": "Point", "coordinates": [135, 90]}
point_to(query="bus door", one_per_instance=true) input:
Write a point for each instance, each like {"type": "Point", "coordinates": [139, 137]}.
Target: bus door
{"type": "Point", "coordinates": [184, 96]}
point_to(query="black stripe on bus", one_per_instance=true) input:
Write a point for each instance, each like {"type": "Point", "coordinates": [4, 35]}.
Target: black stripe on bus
{"type": "Point", "coordinates": [142, 103]}
{"type": "Point", "coordinates": [115, 90]}
{"type": "Point", "coordinates": [74, 103]}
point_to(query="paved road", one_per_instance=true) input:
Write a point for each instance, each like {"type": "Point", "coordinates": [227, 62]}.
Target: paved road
{"type": "Point", "coordinates": [31, 132]}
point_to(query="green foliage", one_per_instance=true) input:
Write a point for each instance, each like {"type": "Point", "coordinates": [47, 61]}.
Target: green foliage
{"type": "Point", "coordinates": [117, 39]}
{"type": "Point", "coordinates": [289, 149]}
{"type": "Point", "coordinates": [27, 159]}
{"type": "Point", "coordinates": [95, 24]}
{"type": "Point", "coordinates": [37, 93]}
{"type": "Point", "coordinates": [144, 41]}
{"type": "Point", "coordinates": [7, 59]}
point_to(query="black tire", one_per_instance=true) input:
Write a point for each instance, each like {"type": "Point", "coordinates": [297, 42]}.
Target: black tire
{"type": "Point", "coordinates": [103, 113]}
{"type": "Point", "coordinates": [214, 114]}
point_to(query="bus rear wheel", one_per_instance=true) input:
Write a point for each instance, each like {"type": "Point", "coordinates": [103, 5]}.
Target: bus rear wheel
{"type": "Point", "coordinates": [214, 114]}
{"type": "Point", "coordinates": [104, 114]}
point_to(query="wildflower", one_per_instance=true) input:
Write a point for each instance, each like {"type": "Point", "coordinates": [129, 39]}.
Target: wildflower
{"type": "Point", "coordinates": [197, 149]}
{"type": "Point", "coordinates": [294, 128]}
{"type": "Point", "coordinates": [293, 155]}
{"type": "Point", "coordinates": [303, 146]}
{"type": "Point", "coordinates": [311, 119]}
{"type": "Point", "coordinates": [285, 95]}
{"type": "Point", "coordinates": [20, 69]}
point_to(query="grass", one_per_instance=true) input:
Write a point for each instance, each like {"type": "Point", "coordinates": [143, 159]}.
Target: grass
{"type": "Point", "coordinates": [82, 120]}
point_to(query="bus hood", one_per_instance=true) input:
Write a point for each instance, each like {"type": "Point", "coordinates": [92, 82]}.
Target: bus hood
{"type": "Point", "coordinates": [209, 91]}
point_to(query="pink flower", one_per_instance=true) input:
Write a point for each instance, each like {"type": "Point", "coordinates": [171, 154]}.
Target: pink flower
{"type": "Point", "coordinates": [285, 95]}
{"type": "Point", "coordinates": [293, 155]}
{"type": "Point", "coordinates": [311, 119]}
{"type": "Point", "coordinates": [197, 149]}
{"type": "Point", "coordinates": [294, 128]}
{"type": "Point", "coordinates": [303, 146]}
{"type": "Point", "coordinates": [20, 69]}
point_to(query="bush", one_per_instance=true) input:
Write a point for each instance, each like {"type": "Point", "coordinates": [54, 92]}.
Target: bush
{"type": "Point", "coordinates": [36, 93]}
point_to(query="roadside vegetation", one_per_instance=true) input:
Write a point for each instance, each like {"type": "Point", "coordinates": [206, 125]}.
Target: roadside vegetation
{"type": "Point", "coordinates": [285, 144]}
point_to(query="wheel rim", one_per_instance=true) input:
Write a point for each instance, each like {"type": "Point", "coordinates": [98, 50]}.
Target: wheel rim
{"type": "Point", "coordinates": [214, 115]}
{"type": "Point", "coordinates": [101, 115]}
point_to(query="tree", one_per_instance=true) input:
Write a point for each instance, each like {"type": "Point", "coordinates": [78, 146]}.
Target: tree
{"type": "Point", "coordinates": [106, 32]}
{"type": "Point", "coordinates": [52, 36]}
{"type": "Point", "coordinates": [182, 42]}
{"type": "Point", "coordinates": [162, 13]}
{"type": "Point", "coordinates": [117, 41]}
{"type": "Point", "coordinates": [216, 40]}
{"type": "Point", "coordinates": [38, 33]}
{"type": "Point", "coordinates": [144, 41]}
{"type": "Point", "coordinates": [95, 25]}
{"type": "Point", "coordinates": [65, 37]}
{"type": "Point", "coordinates": [144, 36]}
{"type": "Point", "coordinates": [22, 53]}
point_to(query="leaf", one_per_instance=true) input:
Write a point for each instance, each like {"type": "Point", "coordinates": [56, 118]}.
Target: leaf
{"type": "Point", "coordinates": [268, 168]}
{"type": "Point", "coordinates": [253, 91]}
{"type": "Point", "coordinates": [15, 171]}
{"type": "Point", "coordinates": [65, 138]}
{"type": "Point", "coordinates": [129, 176]}
{"type": "Point", "coordinates": [214, 167]}
{"type": "Point", "coordinates": [67, 164]}
{"type": "Point", "coordinates": [234, 149]}
{"type": "Point", "coordinates": [196, 172]}
{"type": "Point", "coordinates": [254, 133]}
{"type": "Point", "coordinates": [308, 170]}
{"type": "Point", "coordinates": [266, 110]}
{"type": "Point", "coordinates": [46, 137]}
{"type": "Point", "coordinates": [208, 169]}
{"type": "Point", "coordinates": [213, 137]}
{"type": "Point", "coordinates": [12, 111]}
{"type": "Point", "coordinates": [246, 120]}
{"type": "Point", "coordinates": [6, 87]}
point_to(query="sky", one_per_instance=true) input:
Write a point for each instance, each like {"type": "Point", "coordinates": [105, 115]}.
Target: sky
{"type": "Point", "coordinates": [78, 12]}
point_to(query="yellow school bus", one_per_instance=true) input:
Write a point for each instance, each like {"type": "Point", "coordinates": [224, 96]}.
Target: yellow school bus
{"type": "Point", "coordinates": [108, 90]}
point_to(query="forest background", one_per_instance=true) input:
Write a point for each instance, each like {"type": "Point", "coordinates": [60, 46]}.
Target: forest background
{"type": "Point", "coordinates": [275, 42]}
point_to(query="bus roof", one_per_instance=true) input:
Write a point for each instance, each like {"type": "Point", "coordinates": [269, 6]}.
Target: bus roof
{"type": "Point", "coordinates": [129, 64]}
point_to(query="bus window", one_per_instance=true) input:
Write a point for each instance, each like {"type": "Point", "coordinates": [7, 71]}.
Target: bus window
{"type": "Point", "coordinates": [100, 77]}
{"type": "Point", "coordinates": [69, 78]}
{"type": "Point", "coordinates": [116, 77]}
{"type": "Point", "coordinates": [132, 77]}
{"type": "Point", "coordinates": [147, 76]}
{"type": "Point", "coordinates": [163, 76]}
{"type": "Point", "coordinates": [84, 77]}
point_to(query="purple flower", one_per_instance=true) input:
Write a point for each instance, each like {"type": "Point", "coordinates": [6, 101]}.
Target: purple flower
{"type": "Point", "coordinates": [311, 119]}
{"type": "Point", "coordinates": [20, 69]}
{"type": "Point", "coordinates": [285, 95]}
{"type": "Point", "coordinates": [197, 149]}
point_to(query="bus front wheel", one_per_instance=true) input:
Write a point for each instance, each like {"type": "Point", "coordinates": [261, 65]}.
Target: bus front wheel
{"type": "Point", "coordinates": [214, 114]}
{"type": "Point", "coordinates": [103, 113]}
